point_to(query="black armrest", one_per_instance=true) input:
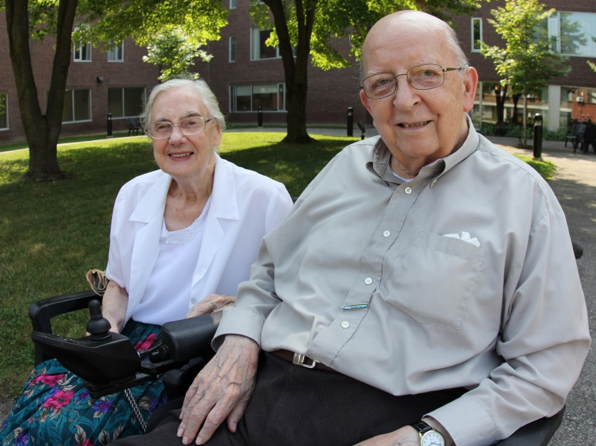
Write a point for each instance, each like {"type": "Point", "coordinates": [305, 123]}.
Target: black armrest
{"type": "Point", "coordinates": [537, 433]}
{"type": "Point", "coordinates": [42, 312]}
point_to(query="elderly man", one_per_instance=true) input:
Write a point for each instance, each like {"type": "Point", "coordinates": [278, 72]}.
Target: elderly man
{"type": "Point", "coordinates": [425, 280]}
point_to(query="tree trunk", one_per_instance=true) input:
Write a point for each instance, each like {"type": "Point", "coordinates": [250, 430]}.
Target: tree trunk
{"type": "Point", "coordinates": [295, 68]}
{"type": "Point", "coordinates": [500, 98]}
{"type": "Point", "coordinates": [42, 131]}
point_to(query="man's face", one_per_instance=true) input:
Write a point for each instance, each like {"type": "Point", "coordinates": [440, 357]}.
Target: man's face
{"type": "Point", "coordinates": [418, 126]}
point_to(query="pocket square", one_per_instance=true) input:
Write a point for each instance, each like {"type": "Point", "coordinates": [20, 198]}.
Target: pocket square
{"type": "Point", "coordinates": [465, 236]}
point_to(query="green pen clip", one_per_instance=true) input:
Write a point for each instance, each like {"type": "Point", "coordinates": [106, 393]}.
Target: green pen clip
{"type": "Point", "coordinates": [355, 307]}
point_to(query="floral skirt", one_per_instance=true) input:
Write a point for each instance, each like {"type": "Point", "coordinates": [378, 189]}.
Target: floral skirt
{"type": "Point", "coordinates": [55, 409]}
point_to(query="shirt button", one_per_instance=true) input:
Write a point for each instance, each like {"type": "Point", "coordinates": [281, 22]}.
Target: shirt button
{"type": "Point", "coordinates": [386, 234]}
{"type": "Point", "coordinates": [408, 190]}
{"type": "Point", "coordinates": [345, 324]}
{"type": "Point", "coordinates": [368, 281]}
{"type": "Point", "coordinates": [193, 300]}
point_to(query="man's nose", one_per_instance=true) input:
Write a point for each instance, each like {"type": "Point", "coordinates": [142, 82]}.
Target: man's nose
{"type": "Point", "coordinates": [405, 96]}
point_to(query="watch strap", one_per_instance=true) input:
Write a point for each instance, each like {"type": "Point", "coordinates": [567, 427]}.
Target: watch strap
{"type": "Point", "coordinates": [421, 427]}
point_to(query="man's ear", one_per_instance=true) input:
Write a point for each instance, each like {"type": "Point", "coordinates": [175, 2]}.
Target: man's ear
{"type": "Point", "coordinates": [364, 100]}
{"type": "Point", "coordinates": [470, 85]}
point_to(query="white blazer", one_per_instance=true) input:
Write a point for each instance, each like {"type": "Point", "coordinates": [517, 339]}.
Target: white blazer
{"type": "Point", "coordinates": [244, 207]}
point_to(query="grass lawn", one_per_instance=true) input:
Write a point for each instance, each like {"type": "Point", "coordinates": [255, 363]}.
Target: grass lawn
{"type": "Point", "coordinates": [52, 233]}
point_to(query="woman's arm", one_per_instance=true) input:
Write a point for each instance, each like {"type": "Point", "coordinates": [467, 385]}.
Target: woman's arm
{"type": "Point", "coordinates": [115, 302]}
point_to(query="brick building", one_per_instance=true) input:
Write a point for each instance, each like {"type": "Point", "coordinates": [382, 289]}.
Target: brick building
{"type": "Point", "coordinates": [566, 98]}
{"type": "Point", "coordinates": [245, 75]}
{"type": "Point", "coordinates": [100, 81]}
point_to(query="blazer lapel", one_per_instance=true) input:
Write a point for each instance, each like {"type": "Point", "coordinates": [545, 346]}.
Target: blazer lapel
{"type": "Point", "coordinates": [149, 216]}
{"type": "Point", "coordinates": [223, 207]}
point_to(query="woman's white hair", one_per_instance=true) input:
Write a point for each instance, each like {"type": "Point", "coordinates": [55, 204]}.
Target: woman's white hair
{"type": "Point", "coordinates": [207, 98]}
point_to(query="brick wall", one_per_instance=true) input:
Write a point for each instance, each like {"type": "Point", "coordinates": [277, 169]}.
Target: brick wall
{"type": "Point", "coordinates": [133, 72]}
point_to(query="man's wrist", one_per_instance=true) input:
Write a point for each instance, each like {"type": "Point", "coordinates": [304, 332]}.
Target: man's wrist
{"type": "Point", "coordinates": [439, 428]}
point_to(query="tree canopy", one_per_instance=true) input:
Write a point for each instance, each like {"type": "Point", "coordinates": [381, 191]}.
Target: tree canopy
{"type": "Point", "coordinates": [526, 62]}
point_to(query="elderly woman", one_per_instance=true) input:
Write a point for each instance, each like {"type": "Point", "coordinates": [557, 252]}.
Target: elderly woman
{"type": "Point", "coordinates": [182, 238]}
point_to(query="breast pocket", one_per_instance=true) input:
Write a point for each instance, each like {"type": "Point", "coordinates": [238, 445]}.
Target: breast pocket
{"type": "Point", "coordinates": [436, 279]}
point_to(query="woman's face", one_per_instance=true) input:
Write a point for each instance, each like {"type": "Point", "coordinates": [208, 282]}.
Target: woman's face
{"type": "Point", "coordinates": [184, 156]}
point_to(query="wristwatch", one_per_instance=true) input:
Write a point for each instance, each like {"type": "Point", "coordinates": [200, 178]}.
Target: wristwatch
{"type": "Point", "coordinates": [428, 436]}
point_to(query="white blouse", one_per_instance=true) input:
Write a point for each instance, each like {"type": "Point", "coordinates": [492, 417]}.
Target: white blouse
{"type": "Point", "coordinates": [244, 207]}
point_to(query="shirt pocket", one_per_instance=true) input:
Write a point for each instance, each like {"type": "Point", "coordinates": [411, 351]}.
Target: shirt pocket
{"type": "Point", "coordinates": [435, 280]}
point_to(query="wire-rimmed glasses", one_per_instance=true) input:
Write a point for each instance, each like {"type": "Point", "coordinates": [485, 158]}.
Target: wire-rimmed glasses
{"type": "Point", "coordinates": [421, 77]}
{"type": "Point", "coordinates": [188, 126]}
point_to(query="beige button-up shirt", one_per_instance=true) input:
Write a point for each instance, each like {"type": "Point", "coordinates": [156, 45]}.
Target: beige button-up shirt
{"type": "Point", "coordinates": [463, 277]}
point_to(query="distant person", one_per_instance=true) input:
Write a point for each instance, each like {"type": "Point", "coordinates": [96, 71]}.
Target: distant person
{"type": "Point", "coordinates": [182, 238]}
{"type": "Point", "coordinates": [425, 280]}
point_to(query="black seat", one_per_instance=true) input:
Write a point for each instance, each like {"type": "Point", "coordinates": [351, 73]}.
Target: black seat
{"type": "Point", "coordinates": [576, 135]}
{"type": "Point", "coordinates": [589, 137]}
{"type": "Point", "coordinates": [134, 126]}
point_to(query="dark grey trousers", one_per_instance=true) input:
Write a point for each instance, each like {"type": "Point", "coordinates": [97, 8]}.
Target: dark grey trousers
{"type": "Point", "coordinates": [292, 405]}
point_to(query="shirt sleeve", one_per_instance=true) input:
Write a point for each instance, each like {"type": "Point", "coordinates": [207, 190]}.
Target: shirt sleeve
{"type": "Point", "coordinates": [114, 269]}
{"type": "Point", "coordinates": [544, 341]}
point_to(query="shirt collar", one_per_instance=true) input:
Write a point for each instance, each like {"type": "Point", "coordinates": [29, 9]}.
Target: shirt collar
{"type": "Point", "coordinates": [379, 164]}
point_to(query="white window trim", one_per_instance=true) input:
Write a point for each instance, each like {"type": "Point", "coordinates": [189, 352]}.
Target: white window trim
{"type": "Point", "coordinates": [90, 106]}
{"type": "Point", "coordinates": [475, 19]}
{"type": "Point", "coordinates": [233, 4]}
{"type": "Point", "coordinates": [252, 49]}
{"type": "Point", "coordinates": [232, 104]}
{"type": "Point", "coordinates": [123, 100]}
{"type": "Point", "coordinates": [110, 50]}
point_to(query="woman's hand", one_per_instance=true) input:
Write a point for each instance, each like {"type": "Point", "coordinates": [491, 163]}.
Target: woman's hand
{"type": "Point", "coordinates": [211, 304]}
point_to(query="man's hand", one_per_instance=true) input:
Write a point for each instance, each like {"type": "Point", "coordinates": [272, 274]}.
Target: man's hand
{"type": "Point", "coordinates": [406, 436]}
{"type": "Point", "coordinates": [211, 304]}
{"type": "Point", "coordinates": [220, 391]}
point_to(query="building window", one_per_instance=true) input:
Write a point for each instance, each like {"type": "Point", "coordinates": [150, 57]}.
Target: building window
{"type": "Point", "coordinates": [232, 4]}
{"type": "Point", "coordinates": [81, 50]}
{"type": "Point", "coordinates": [249, 98]}
{"type": "Point", "coordinates": [232, 55]}
{"type": "Point", "coordinates": [3, 111]}
{"type": "Point", "coordinates": [571, 33]}
{"type": "Point", "coordinates": [126, 102]}
{"type": "Point", "coordinates": [258, 49]}
{"type": "Point", "coordinates": [77, 106]}
{"type": "Point", "coordinates": [476, 34]}
{"type": "Point", "coordinates": [116, 52]}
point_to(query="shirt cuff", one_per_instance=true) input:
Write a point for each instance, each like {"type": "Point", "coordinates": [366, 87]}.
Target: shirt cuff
{"type": "Point", "coordinates": [239, 321]}
{"type": "Point", "coordinates": [467, 421]}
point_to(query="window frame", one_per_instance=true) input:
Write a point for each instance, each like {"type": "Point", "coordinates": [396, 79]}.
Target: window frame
{"type": "Point", "coordinates": [281, 96]}
{"type": "Point", "coordinates": [476, 43]}
{"type": "Point", "coordinates": [123, 101]}
{"type": "Point", "coordinates": [73, 106]}
{"type": "Point", "coordinates": [5, 112]}
{"type": "Point", "coordinates": [256, 45]}
{"type": "Point", "coordinates": [232, 49]}
{"type": "Point", "coordinates": [113, 50]}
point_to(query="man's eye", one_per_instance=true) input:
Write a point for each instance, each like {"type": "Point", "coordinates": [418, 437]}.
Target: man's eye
{"type": "Point", "coordinates": [426, 73]}
{"type": "Point", "coordinates": [381, 83]}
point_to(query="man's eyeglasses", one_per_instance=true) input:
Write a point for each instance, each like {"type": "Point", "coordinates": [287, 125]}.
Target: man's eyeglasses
{"type": "Point", "coordinates": [421, 77]}
{"type": "Point", "coordinates": [188, 126]}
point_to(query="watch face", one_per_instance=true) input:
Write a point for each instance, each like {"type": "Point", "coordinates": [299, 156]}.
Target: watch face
{"type": "Point", "coordinates": [432, 438]}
